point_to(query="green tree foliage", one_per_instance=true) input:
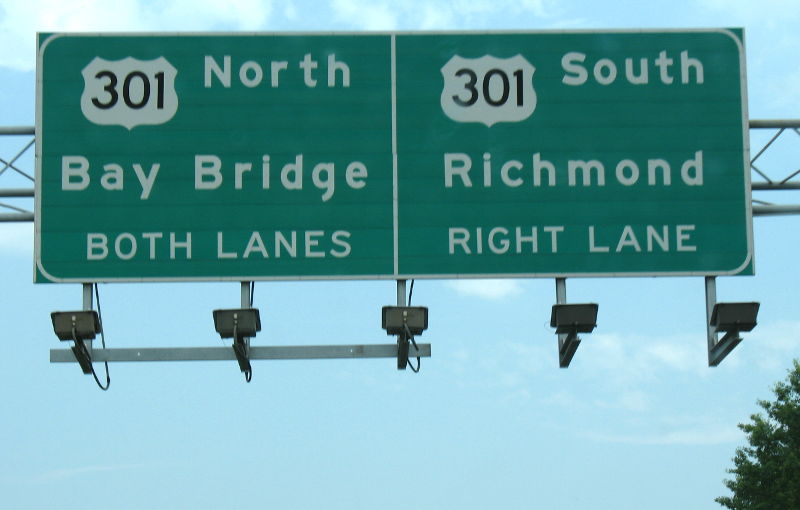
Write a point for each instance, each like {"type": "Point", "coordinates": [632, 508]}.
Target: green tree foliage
{"type": "Point", "coordinates": [767, 472]}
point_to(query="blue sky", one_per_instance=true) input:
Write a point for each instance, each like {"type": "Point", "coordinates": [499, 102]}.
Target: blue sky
{"type": "Point", "coordinates": [637, 421]}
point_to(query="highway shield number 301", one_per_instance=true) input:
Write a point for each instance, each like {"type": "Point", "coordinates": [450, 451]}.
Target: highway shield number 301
{"type": "Point", "coordinates": [129, 92]}
{"type": "Point", "coordinates": [488, 89]}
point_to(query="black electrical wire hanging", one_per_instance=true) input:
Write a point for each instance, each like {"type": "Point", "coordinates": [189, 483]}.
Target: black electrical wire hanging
{"type": "Point", "coordinates": [103, 341]}
{"type": "Point", "coordinates": [410, 336]}
{"type": "Point", "coordinates": [248, 374]}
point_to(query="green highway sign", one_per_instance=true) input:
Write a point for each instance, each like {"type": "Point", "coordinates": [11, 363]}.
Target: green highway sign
{"type": "Point", "coordinates": [354, 156]}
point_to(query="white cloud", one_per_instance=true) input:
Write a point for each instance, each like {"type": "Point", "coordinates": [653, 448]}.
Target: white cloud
{"type": "Point", "coordinates": [436, 15]}
{"type": "Point", "coordinates": [486, 289]}
{"type": "Point", "coordinates": [290, 11]}
{"type": "Point", "coordinates": [773, 344]}
{"type": "Point", "coordinates": [668, 429]}
{"type": "Point", "coordinates": [784, 94]}
{"type": "Point", "coordinates": [209, 14]}
{"type": "Point", "coordinates": [700, 434]}
{"type": "Point", "coordinates": [21, 20]}
{"type": "Point", "coordinates": [630, 357]}
{"type": "Point", "coordinates": [565, 399]}
{"type": "Point", "coordinates": [779, 11]}
{"type": "Point", "coordinates": [628, 400]}
{"type": "Point", "coordinates": [771, 42]}
{"type": "Point", "coordinates": [780, 337]}
{"type": "Point", "coordinates": [67, 473]}
{"type": "Point", "coordinates": [59, 474]}
{"type": "Point", "coordinates": [367, 15]}
{"type": "Point", "coordinates": [541, 8]}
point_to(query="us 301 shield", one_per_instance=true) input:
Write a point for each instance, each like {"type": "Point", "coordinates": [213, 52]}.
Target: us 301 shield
{"type": "Point", "coordinates": [488, 89]}
{"type": "Point", "coordinates": [129, 92]}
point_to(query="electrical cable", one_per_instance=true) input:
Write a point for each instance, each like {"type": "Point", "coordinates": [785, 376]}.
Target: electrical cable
{"type": "Point", "coordinates": [103, 341]}
{"type": "Point", "coordinates": [240, 350]}
{"type": "Point", "coordinates": [248, 375]}
{"type": "Point", "coordinates": [410, 336]}
{"type": "Point", "coordinates": [414, 343]}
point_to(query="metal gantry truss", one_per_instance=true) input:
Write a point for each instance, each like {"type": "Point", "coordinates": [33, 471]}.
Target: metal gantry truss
{"type": "Point", "coordinates": [768, 170]}
{"type": "Point", "coordinates": [775, 166]}
{"type": "Point", "coordinates": [787, 134]}
{"type": "Point", "coordinates": [15, 183]}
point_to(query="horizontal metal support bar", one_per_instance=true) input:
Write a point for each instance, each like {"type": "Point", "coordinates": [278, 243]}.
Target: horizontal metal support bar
{"type": "Point", "coordinates": [765, 186]}
{"type": "Point", "coordinates": [775, 210]}
{"type": "Point", "coordinates": [16, 192]}
{"type": "Point", "coordinates": [4, 218]}
{"type": "Point", "coordinates": [17, 130]}
{"type": "Point", "coordinates": [773, 123]}
{"type": "Point", "coordinates": [274, 352]}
